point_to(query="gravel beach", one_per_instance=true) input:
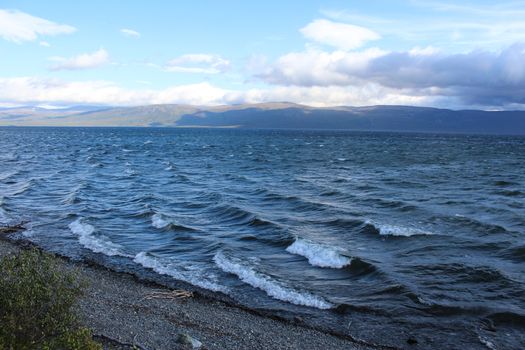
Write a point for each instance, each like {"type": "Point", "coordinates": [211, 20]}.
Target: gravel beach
{"type": "Point", "coordinates": [124, 312]}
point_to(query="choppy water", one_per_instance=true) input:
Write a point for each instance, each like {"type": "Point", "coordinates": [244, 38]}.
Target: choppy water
{"type": "Point", "coordinates": [381, 236]}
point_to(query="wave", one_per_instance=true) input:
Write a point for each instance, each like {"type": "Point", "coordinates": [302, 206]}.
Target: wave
{"type": "Point", "coordinates": [476, 225]}
{"type": "Point", "coordinates": [394, 230]}
{"type": "Point", "coordinates": [72, 197]}
{"type": "Point", "coordinates": [270, 286]}
{"type": "Point", "coordinates": [319, 254]}
{"type": "Point", "coordinates": [183, 272]}
{"type": "Point", "coordinates": [97, 244]}
{"type": "Point", "coordinates": [162, 222]}
{"type": "Point", "coordinates": [231, 214]}
{"type": "Point", "coordinates": [516, 253]}
{"type": "Point", "coordinates": [3, 215]}
{"type": "Point", "coordinates": [19, 188]}
{"type": "Point", "coordinates": [5, 176]}
{"type": "Point", "coordinates": [505, 183]}
{"type": "Point", "coordinates": [130, 172]}
{"type": "Point", "coordinates": [509, 193]}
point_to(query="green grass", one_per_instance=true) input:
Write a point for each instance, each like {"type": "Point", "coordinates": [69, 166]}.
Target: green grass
{"type": "Point", "coordinates": [36, 304]}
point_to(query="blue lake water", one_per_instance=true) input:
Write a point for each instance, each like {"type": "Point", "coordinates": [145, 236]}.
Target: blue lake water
{"type": "Point", "coordinates": [380, 236]}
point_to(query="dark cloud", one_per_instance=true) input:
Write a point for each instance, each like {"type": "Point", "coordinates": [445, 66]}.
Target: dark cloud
{"type": "Point", "coordinates": [477, 78]}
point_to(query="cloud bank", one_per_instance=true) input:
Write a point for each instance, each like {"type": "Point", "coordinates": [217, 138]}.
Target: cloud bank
{"type": "Point", "coordinates": [50, 90]}
{"type": "Point", "coordinates": [477, 77]}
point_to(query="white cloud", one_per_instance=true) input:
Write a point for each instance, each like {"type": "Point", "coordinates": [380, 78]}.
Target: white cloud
{"type": "Point", "coordinates": [340, 35]}
{"type": "Point", "coordinates": [457, 28]}
{"type": "Point", "coordinates": [198, 63]}
{"type": "Point", "coordinates": [18, 26]}
{"type": "Point", "coordinates": [130, 33]}
{"type": "Point", "coordinates": [490, 78]}
{"type": "Point", "coordinates": [319, 68]}
{"type": "Point", "coordinates": [82, 61]}
{"type": "Point", "coordinates": [57, 92]}
{"type": "Point", "coordinates": [424, 51]}
{"type": "Point", "coordinates": [44, 44]}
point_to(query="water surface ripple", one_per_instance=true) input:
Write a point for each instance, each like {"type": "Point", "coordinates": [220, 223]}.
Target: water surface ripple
{"type": "Point", "coordinates": [378, 235]}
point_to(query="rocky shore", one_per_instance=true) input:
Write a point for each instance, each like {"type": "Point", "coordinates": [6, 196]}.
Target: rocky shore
{"type": "Point", "coordinates": [125, 313]}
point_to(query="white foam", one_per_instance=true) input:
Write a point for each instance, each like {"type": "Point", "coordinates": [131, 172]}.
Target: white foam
{"type": "Point", "coordinates": [97, 244]}
{"type": "Point", "coordinates": [192, 274]}
{"type": "Point", "coordinates": [158, 221]}
{"type": "Point", "coordinates": [130, 172]}
{"type": "Point", "coordinates": [319, 254]}
{"type": "Point", "coordinates": [273, 288]}
{"type": "Point", "coordinates": [393, 230]}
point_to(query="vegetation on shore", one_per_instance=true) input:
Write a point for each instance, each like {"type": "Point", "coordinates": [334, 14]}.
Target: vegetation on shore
{"type": "Point", "coordinates": [36, 304]}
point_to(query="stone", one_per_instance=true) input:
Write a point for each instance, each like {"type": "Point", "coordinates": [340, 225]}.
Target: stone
{"type": "Point", "coordinates": [187, 339]}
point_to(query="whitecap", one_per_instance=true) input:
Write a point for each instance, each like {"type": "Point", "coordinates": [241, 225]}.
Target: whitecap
{"type": "Point", "coordinates": [158, 221]}
{"type": "Point", "coordinates": [270, 286]}
{"type": "Point", "coordinates": [394, 230]}
{"type": "Point", "coordinates": [319, 254]}
{"type": "Point", "coordinates": [97, 244]}
{"type": "Point", "coordinates": [148, 142]}
{"type": "Point", "coordinates": [130, 172]}
{"type": "Point", "coordinates": [183, 271]}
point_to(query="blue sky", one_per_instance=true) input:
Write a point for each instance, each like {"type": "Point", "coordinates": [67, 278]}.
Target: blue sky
{"type": "Point", "coordinates": [320, 53]}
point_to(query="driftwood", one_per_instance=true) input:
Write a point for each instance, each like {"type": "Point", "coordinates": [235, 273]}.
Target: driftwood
{"type": "Point", "coordinates": [134, 345]}
{"type": "Point", "coordinates": [172, 294]}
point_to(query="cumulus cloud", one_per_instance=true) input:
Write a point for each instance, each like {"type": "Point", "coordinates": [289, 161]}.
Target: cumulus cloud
{"type": "Point", "coordinates": [319, 68]}
{"type": "Point", "coordinates": [198, 63]}
{"type": "Point", "coordinates": [82, 61]}
{"type": "Point", "coordinates": [17, 26]}
{"type": "Point", "coordinates": [340, 35]}
{"type": "Point", "coordinates": [477, 77]}
{"type": "Point", "coordinates": [130, 33]}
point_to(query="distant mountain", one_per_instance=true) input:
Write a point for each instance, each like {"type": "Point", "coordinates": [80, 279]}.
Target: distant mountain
{"type": "Point", "coordinates": [279, 115]}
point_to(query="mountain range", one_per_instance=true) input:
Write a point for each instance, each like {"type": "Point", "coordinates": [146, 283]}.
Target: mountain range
{"type": "Point", "coordinates": [277, 115]}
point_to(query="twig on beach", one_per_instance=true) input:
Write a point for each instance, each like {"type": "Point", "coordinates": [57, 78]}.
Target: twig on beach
{"type": "Point", "coordinates": [134, 345]}
{"type": "Point", "coordinates": [172, 294]}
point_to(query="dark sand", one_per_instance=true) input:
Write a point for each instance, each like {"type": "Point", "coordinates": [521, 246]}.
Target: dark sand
{"type": "Point", "coordinates": [117, 308]}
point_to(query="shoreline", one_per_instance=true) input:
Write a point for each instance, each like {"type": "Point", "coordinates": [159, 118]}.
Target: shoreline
{"type": "Point", "coordinates": [123, 310]}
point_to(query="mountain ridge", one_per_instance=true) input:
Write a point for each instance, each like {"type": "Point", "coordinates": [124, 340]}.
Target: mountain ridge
{"type": "Point", "coordinates": [275, 115]}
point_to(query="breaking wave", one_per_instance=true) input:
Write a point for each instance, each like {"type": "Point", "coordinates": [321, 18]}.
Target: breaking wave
{"type": "Point", "coordinates": [319, 254]}
{"type": "Point", "coordinates": [267, 284]}
{"type": "Point", "coordinates": [98, 243]}
{"type": "Point", "coordinates": [395, 230]}
{"type": "Point", "coordinates": [162, 222]}
{"type": "Point", "coordinates": [191, 274]}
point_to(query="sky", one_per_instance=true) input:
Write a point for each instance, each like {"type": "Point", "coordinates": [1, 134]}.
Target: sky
{"type": "Point", "coordinates": [458, 55]}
